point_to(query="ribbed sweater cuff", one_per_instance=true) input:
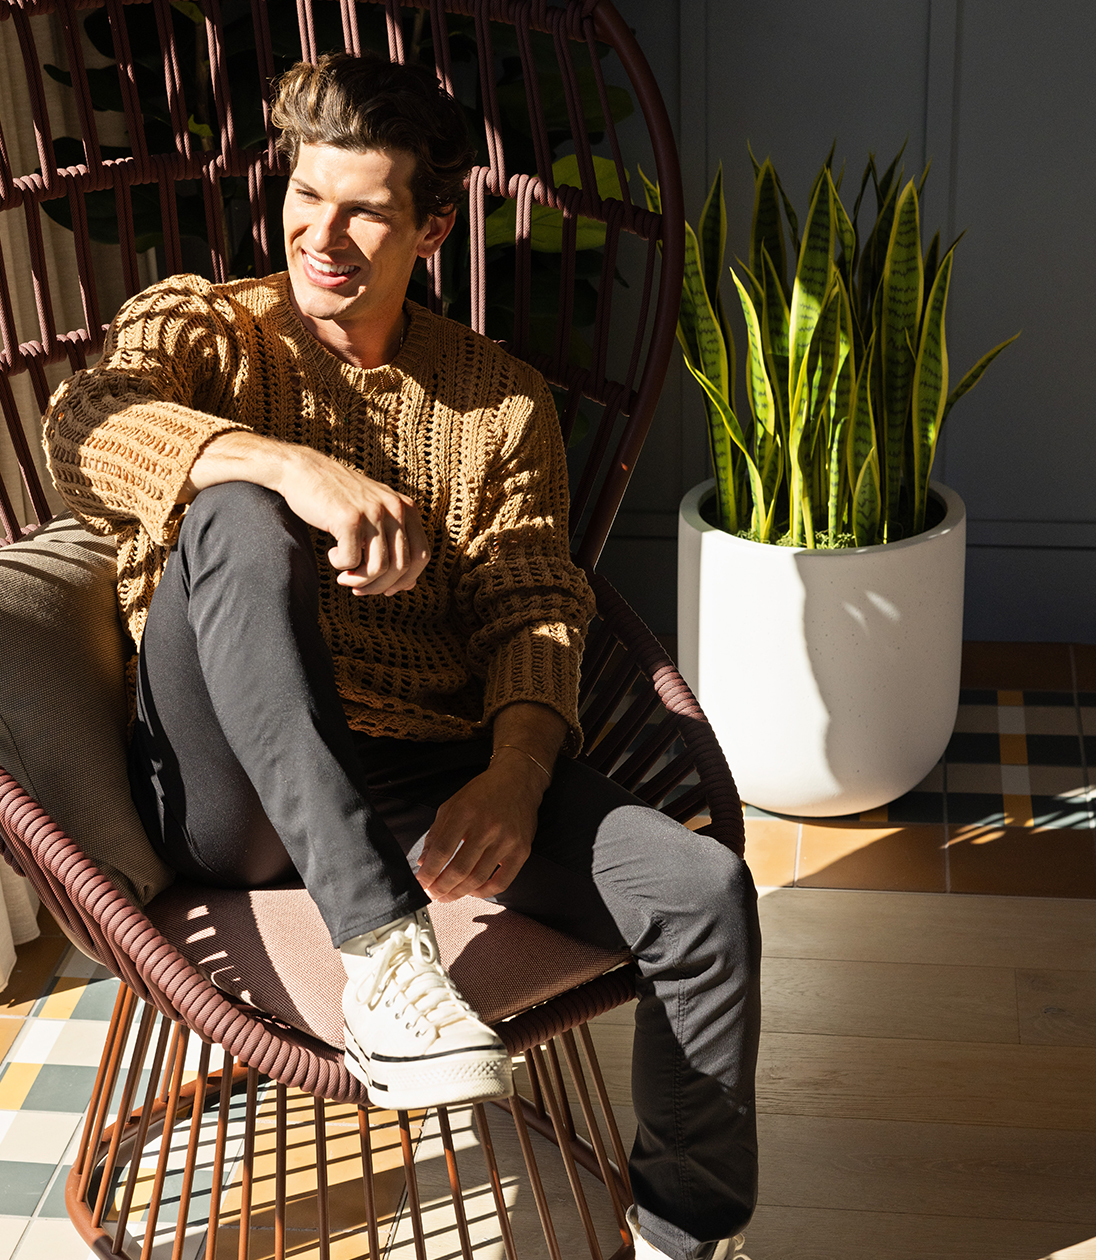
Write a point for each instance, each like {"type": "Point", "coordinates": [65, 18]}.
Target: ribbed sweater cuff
{"type": "Point", "coordinates": [537, 669]}
{"type": "Point", "coordinates": [152, 483]}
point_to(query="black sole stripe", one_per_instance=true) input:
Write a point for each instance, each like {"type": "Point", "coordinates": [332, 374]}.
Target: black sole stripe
{"type": "Point", "coordinates": [444, 1054]}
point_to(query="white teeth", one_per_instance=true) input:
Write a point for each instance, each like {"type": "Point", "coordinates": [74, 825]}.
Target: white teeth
{"type": "Point", "coordinates": [328, 269]}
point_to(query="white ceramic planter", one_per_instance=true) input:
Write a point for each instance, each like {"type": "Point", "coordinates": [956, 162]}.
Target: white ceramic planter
{"type": "Point", "coordinates": [831, 677]}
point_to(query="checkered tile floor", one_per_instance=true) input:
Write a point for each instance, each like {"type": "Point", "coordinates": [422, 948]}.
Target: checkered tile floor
{"type": "Point", "coordinates": [47, 1077]}
{"type": "Point", "coordinates": [1016, 759]}
{"type": "Point", "coordinates": [1010, 809]}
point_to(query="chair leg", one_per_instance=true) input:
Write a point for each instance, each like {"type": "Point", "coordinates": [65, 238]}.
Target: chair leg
{"type": "Point", "coordinates": [187, 1154]}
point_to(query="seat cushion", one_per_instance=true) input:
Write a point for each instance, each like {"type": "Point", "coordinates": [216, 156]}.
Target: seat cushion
{"type": "Point", "coordinates": [62, 697]}
{"type": "Point", "coordinates": [269, 947]}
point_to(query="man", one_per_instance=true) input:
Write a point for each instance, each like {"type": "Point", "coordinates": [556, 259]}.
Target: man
{"type": "Point", "coordinates": [322, 709]}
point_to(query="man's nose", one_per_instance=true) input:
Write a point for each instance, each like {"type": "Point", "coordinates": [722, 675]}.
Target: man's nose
{"type": "Point", "coordinates": [327, 229]}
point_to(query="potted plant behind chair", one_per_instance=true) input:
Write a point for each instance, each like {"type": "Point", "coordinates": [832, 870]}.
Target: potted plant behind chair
{"type": "Point", "coordinates": [820, 575]}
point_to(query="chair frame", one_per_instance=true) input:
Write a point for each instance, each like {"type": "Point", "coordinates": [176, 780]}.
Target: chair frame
{"type": "Point", "coordinates": [642, 724]}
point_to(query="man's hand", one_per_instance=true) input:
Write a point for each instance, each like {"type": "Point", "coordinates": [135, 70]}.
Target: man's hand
{"type": "Point", "coordinates": [380, 546]}
{"type": "Point", "coordinates": [482, 835]}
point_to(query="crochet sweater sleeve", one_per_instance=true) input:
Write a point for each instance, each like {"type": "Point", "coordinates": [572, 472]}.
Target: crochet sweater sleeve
{"type": "Point", "coordinates": [121, 437]}
{"type": "Point", "coordinates": [526, 604]}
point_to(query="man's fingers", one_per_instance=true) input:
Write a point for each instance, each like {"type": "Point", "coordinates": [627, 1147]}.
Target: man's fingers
{"type": "Point", "coordinates": [392, 558]}
{"type": "Point", "coordinates": [347, 553]}
{"type": "Point", "coordinates": [486, 880]}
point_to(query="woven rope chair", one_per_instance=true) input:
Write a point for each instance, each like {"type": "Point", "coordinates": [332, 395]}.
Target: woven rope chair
{"type": "Point", "coordinates": [225, 1038]}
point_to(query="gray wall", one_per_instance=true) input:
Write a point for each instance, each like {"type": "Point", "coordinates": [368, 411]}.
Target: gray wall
{"type": "Point", "coordinates": [998, 94]}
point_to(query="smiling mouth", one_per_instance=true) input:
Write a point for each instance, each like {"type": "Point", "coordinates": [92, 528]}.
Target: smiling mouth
{"type": "Point", "coordinates": [330, 272]}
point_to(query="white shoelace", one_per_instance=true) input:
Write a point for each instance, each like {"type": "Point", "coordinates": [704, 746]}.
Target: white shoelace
{"type": "Point", "coordinates": [408, 956]}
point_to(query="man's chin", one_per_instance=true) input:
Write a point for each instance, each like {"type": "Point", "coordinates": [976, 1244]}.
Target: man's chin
{"type": "Point", "coordinates": [316, 302]}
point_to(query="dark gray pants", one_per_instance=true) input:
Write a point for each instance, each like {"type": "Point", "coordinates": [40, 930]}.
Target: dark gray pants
{"type": "Point", "coordinates": [244, 771]}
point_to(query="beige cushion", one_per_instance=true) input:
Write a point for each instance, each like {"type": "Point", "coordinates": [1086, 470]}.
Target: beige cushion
{"type": "Point", "coordinates": [269, 947]}
{"type": "Point", "coordinates": [62, 697]}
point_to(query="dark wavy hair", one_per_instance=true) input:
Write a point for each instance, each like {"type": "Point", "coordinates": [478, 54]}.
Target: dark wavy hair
{"type": "Point", "coordinates": [366, 102]}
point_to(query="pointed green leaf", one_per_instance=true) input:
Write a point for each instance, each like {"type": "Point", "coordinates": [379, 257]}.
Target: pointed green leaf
{"type": "Point", "coordinates": [698, 328]}
{"type": "Point", "coordinates": [867, 504]}
{"type": "Point", "coordinates": [932, 261]}
{"type": "Point", "coordinates": [846, 234]}
{"type": "Point", "coordinates": [652, 192]}
{"type": "Point", "coordinates": [813, 276]}
{"type": "Point", "coordinates": [863, 189]}
{"type": "Point", "coordinates": [861, 438]}
{"type": "Point", "coordinates": [892, 177]}
{"type": "Point", "coordinates": [766, 229]}
{"type": "Point", "coordinates": [713, 245]}
{"type": "Point", "coordinates": [753, 161]}
{"type": "Point", "coordinates": [775, 320]}
{"type": "Point", "coordinates": [713, 235]}
{"type": "Point", "coordinates": [734, 432]}
{"type": "Point", "coordinates": [837, 486]}
{"type": "Point", "coordinates": [824, 361]}
{"type": "Point", "coordinates": [790, 215]}
{"type": "Point", "coordinates": [901, 313]}
{"type": "Point", "coordinates": [974, 375]}
{"type": "Point", "coordinates": [930, 387]}
{"type": "Point", "coordinates": [924, 176]}
{"type": "Point", "coordinates": [762, 403]}
{"type": "Point", "coordinates": [872, 255]}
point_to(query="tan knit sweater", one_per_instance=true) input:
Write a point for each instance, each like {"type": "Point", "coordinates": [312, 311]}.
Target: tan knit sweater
{"type": "Point", "coordinates": [465, 430]}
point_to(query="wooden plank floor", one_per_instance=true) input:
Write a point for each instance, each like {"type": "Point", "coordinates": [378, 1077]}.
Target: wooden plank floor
{"type": "Point", "coordinates": [927, 1077]}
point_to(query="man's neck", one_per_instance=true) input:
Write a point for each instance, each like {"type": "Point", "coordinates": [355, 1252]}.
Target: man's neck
{"type": "Point", "coordinates": [363, 345]}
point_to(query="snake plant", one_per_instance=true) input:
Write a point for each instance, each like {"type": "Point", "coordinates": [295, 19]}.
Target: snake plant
{"type": "Point", "coordinates": [846, 365]}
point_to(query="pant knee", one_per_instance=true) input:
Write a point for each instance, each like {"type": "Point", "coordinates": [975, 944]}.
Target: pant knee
{"type": "Point", "coordinates": [240, 528]}
{"type": "Point", "coordinates": [239, 507]}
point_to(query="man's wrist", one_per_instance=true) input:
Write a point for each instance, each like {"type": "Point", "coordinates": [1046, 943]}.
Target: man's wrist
{"type": "Point", "coordinates": [501, 748]}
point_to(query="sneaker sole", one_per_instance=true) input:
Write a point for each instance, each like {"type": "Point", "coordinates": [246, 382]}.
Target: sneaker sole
{"type": "Point", "coordinates": [416, 1084]}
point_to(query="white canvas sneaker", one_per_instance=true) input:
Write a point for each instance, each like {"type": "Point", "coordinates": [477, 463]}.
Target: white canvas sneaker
{"type": "Point", "coordinates": [728, 1249]}
{"type": "Point", "coordinates": [411, 1038]}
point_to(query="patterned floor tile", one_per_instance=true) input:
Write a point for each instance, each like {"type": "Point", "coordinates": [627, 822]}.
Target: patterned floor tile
{"type": "Point", "coordinates": [1059, 699]}
{"type": "Point", "coordinates": [10, 1028]}
{"type": "Point", "coordinates": [37, 1042]}
{"type": "Point", "coordinates": [22, 1185]}
{"type": "Point", "coordinates": [974, 749]}
{"type": "Point", "coordinates": [53, 1205]}
{"type": "Point", "coordinates": [1047, 720]}
{"type": "Point", "coordinates": [38, 1137]}
{"type": "Point", "coordinates": [97, 999]}
{"type": "Point", "coordinates": [53, 1240]}
{"type": "Point", "coordinates": [1053, 750]}
{"type": "Point", "coordinates": [11, 1233]}
{"type": "Point", "coordinates": [60, 1088]}
{"type": "Point", "coordinates": [916, 807]}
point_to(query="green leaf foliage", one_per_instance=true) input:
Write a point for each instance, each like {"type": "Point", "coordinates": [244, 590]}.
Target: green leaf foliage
{"type": "Point", "coordinates": [846, 369]}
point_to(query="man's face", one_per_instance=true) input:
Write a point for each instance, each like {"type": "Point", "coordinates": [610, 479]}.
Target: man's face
{"type": "Point", "coordinates": [351, 237]}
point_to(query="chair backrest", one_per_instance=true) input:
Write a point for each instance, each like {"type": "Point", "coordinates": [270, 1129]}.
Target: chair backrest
{"type": "Point", "coordinates": [154, 155]}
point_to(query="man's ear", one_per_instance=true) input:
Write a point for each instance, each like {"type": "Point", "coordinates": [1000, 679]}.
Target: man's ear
{"type": "Point", "coordinates": [438, 227]}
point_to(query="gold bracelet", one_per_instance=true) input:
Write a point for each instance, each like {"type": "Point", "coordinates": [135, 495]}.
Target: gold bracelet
{"type": "Point", "coordinates": [533, 759]}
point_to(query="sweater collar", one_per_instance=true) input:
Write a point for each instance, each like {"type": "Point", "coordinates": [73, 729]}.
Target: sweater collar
{"type": "Point", "coordinates": [387, 378]}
